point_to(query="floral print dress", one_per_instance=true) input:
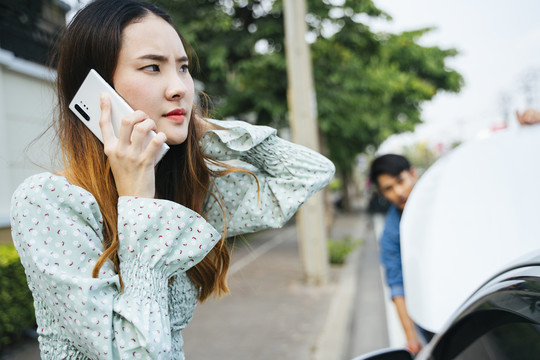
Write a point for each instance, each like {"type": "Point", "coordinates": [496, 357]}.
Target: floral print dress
{"type": "Point", "coordinates": [57, 228]}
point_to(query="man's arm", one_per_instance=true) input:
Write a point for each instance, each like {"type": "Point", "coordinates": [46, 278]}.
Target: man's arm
{"type": "Point", "coordinates": [413, 344]}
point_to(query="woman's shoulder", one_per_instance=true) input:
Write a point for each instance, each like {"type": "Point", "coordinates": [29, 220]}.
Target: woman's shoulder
{"type": "Point", "coordinates": [50, 186]}
{"type": "Point", "coordinates": [43, 181]}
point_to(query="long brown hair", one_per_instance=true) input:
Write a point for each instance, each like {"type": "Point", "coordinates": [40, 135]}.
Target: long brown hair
{"type": "Point", "coordinates": [93, 40]}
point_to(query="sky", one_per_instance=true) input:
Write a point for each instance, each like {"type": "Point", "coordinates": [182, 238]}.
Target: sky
{"type": "Point", "coordinates": [499, 49]}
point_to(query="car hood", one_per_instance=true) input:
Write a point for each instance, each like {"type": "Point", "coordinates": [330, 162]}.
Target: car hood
{"type": "Point", "coordinates": [472, 214]}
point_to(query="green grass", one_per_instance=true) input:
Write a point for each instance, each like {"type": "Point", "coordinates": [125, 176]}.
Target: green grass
{"type": "Point", "coordinates": [339, 249]}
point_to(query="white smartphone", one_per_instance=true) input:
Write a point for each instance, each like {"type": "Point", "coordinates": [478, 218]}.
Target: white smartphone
{"type": "Point", "coordinates": [86, 105]}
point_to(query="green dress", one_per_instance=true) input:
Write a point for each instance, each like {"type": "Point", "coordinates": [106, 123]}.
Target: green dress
{"type": "Point", "coordinates": [57, 228]}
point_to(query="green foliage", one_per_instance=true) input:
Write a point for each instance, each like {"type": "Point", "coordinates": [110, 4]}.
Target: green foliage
{"type": "Point", "coordinates": [239, 80]}
{"type": "Point", "coordinates": [16, 301]}
{"type": "Point", "coordinates": [338, 250]}
{"type": "Point", "coordinates": [378, 89]}
{"type": "Point", "coordinates": [335, 184]}
{"type": "Point", "coordinates": [421, 156]}
{"type": "Point", "coordinates": [368, 85]}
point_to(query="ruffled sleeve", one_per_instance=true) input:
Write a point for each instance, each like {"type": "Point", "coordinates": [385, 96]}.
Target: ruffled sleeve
{"type": "Point", "coordinates": [287, 173]}
{"type": "Point", "coordinates": [57, 229]}
{"type": "Point", "coordinates": [162, 234]}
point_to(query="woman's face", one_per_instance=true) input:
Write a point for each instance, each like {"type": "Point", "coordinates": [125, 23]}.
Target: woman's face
{"type": "Point", "coordinates": [152, 75]}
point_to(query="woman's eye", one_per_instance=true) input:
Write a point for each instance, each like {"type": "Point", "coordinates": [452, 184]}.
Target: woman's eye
{"type": "Point", "coordinates": [184, 68]}
{"type": "Point", "coordinates": [152, 68]}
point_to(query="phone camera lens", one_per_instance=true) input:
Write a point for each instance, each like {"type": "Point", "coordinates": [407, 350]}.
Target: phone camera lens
{"type": "Point", "coordinates": [82, 112]}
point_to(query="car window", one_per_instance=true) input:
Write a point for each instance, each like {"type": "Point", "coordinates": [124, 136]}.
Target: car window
{"type": "Point", "coordinates": [485, 327]}
{"type": "Point", "coordinates": [506, 342]}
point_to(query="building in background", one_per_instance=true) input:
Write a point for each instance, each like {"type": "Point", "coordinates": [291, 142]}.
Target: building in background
{"type": "Point", "coordinates": [28, 30]}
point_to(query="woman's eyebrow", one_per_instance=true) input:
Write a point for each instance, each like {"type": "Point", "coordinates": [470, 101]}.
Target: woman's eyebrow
{"type": "Point", "coordinates": [182, 59]}
{"type": "Point", "coordinates": [153, 57]}
{"type": "Point", "coordinates": [161, 58]}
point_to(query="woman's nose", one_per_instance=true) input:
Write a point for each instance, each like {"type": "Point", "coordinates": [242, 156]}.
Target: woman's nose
{"type": "Point", "coordinates": [176, 88]}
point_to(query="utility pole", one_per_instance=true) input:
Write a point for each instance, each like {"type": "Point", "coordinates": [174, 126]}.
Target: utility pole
{"type": "Point", "coordinates": [303, 120]}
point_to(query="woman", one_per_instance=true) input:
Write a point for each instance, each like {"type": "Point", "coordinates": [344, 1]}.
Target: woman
{"type": "Point", "coordinates": [118, 251]}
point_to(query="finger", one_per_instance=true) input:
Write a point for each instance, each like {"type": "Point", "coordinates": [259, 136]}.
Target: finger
{"type": "Point", "coordinates": [127, 125]}
{"type": "Point", "coordinates": [154, 147]}
{"type": "Point", "coordinates": [107, 130]}
{"type": "Point", "coordinates": [141, 133]}
{"type": "Point", "coordinates": [531, 116]}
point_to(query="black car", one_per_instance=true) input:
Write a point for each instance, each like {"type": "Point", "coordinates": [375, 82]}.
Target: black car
{"type": "Point", "coordinates": [500, 321]}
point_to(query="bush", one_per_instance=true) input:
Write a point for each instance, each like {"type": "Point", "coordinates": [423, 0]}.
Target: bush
{"type": "Point", "coordinates": [335, 184]}
{"type": "Point", "coordinates": [338, 250]}
{"type": "Point", "coordinates": [16, 303]}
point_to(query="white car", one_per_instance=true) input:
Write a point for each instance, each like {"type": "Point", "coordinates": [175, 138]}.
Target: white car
{"type": "Point", "coordinates": [501, 320]}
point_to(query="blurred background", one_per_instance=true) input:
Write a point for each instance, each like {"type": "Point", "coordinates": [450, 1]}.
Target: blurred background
{"type": "Point", "coordinates": [416, 77]}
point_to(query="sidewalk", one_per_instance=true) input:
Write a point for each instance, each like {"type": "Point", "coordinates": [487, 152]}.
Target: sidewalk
{"type": "Point", "coordinates": [271, 314]}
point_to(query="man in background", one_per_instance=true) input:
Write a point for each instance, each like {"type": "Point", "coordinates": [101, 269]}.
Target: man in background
{"type": "Point", "coordinates": [395, 179]}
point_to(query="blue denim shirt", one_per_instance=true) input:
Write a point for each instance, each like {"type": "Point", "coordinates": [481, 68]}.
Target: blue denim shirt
{"type": "Point", "coordinates": [391, 252]}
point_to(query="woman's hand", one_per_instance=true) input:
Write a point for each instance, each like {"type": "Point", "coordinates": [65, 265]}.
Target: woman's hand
{"type": "Point", "coordinates": [131, 155]}
{"type": "Point", "coordinates": [528, 117]}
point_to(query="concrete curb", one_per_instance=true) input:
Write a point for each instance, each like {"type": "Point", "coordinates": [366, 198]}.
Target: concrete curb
{"type": "Point", "coordinates": [333, 341]}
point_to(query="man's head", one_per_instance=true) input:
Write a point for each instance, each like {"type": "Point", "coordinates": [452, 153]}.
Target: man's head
{"type": "Point", "coordinates": [394, 177]}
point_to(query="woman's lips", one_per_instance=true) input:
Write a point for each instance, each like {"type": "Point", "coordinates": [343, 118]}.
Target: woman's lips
{"type": "Point", "coordinates": [176, 115]}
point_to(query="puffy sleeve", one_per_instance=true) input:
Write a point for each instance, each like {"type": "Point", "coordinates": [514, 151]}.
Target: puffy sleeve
{"type": "Point", "coordinates": [57, 229]}
{"type": "Point", "coordinates": [288, 174]}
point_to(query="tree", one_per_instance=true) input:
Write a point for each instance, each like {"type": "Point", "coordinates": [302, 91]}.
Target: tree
{"type": "Point", "coordinates": [378, 89]}
{"type": "Point", "coordinates": [369, 85]}
{"type": "Point", "coordinates": [226, 34]}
